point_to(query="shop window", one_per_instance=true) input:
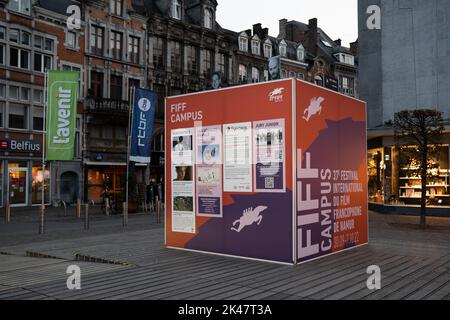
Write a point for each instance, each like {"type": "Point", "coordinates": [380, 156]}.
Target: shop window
{"type": "Point", "coordinates": [37, 176]}
{"type": "Point", "coordinates": [375, 175]}
{"type": "Point", "coordinates": [438, 181]}
{"type": "Point", "coordinates": [106, 182]}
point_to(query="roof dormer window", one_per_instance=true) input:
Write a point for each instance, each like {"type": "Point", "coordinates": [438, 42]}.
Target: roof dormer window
{"type": "Point", "coordinates": [300, 53]}
{"type": "Point", "coordinates": [256, 46]}
{"type": "Point", "coordinates": [209, 18]}
{"type": "Point", "coordinates": [243, 42]}
{"type": "Point", "coordinates": [345, 58]}
{"type": "Point", "coordinates": [176, 9]}
{"type": "Point", "coordinates": [283, 48]}
{"type": "Point", "coordinates": [267, 49]}
{"type": "Point", "coordinates": [21, 6]}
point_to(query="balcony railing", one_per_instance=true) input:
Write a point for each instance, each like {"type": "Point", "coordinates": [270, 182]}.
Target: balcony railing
{"type": "Point", "coordinates": [106, 105]}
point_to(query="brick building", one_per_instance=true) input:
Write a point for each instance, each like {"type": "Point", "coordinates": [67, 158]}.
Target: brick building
{"type": "Point", "coordinates": [33, 39]}
{"type": "Point", "coordinates": [115, 60]}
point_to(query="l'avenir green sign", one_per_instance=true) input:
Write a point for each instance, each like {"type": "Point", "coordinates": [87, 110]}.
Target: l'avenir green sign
{"type": "Point", "coordinates": [61, 114]}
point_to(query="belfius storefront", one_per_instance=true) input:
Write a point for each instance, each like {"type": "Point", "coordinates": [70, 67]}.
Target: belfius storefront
{"type": "Point", "coordinates": [273, 171]}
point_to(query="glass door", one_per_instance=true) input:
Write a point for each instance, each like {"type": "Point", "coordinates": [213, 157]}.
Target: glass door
{"type": "Point", "coordinates": [18, 186]}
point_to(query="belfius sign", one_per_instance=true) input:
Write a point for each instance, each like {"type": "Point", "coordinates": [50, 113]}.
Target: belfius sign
{"type": "Point", "coordinates": [62, 99]}
{"type": "Point", "coordinates": [274, 171]}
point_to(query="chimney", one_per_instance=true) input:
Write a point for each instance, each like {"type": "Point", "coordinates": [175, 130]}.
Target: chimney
{"type": "Point", "coordinates": [354, 48]}
{"type": "Point", "coordinates": [338, 42]}
{"type": "Point", "coordinates": [265, 32]}
{"type": "Point", "coordinates": [283, 23]}
{"type": "Point", "coordinates": [257, 29]}
{"type": "Point", "coordinates": [312, 23]}
{"type": "Point", "coordinates": [312, 37]}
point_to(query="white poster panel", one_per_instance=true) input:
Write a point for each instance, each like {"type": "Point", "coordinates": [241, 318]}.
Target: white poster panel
{"type": "Point", "coordinates": [209, 171]}
{"type": "Point", "coordinates": [183, 184]}
{"type": "Point", "coordinates": [238, 157]}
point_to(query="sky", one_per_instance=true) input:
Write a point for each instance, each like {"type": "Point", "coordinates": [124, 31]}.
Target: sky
{"type": "Point", "coordinates": [338, 18]}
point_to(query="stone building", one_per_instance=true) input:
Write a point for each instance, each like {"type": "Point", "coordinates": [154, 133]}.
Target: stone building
{"type": "Point", "coordinates": [329, 63]}
{"type": "Point", "coordinates": [185, 47]}
{"type": "Point", "coordinates": [404, 65]}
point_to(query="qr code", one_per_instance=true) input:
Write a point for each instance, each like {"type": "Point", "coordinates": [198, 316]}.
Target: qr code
{"type": "Point", "coordinates": [270, 183]}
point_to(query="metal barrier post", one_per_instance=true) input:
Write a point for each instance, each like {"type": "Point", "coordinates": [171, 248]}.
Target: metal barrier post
{"type": "Point", "coordinates": [86, 216]}
{"type": "Point", "coordinates": [7, 212]}
{"type": "Point", "coordinates": [107, 206]}
{"type": "Point", "coordinates": [125, 214]}
{"type": "Point", "coordinates": [42, 220]}
{"type": "Point", "coordinates": [78, 208]}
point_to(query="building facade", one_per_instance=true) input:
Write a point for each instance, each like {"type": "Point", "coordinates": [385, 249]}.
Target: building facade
{"type": "Point", "coordinates": [404, 65]}
{"type": "Point", "coordinates": [186, 46]}
{"type": "Point", "coordinates": [169, 46]}
{"type": "Point", "coordinates": [114, 62]}
{"type": "Point", "coordinates": [33, 39]}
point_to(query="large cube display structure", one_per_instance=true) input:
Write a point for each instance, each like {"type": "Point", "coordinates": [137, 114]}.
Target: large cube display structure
{"type": "Point", "coordinates": [275, 171]}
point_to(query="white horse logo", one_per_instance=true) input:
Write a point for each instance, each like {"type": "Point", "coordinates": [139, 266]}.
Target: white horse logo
{"type": "Point", "coordinates": [249, 217]}
{"type": "Point", "coordinates": [315, 107]}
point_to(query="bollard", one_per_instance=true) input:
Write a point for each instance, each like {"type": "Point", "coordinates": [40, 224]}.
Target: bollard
{"type": "Point", "coordinates": [42, 220]}
{"type": "Point", "coordinates": [158, 211]}
{"type": "Point", "coordinates": [78, 208]}
{"type": "Point", "coordinates": [107, 206]}
{"type": "Point", "coordinates": [86, 216]}
{"type": "Point", "coordinates": [65, 208]}
{"type": "Point", "coordinates": [7, 213]}
{"type": "Point", "coordinates": [125, 214]}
